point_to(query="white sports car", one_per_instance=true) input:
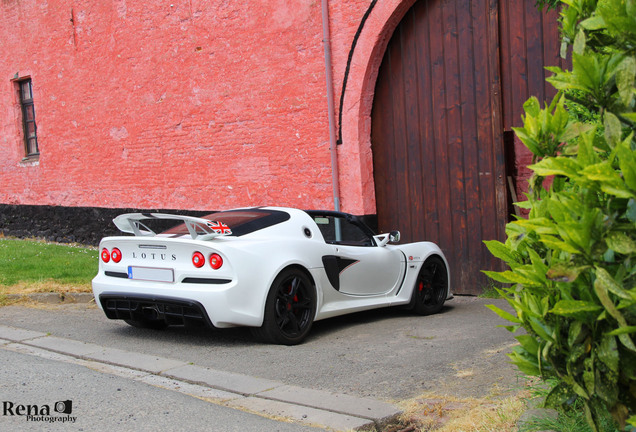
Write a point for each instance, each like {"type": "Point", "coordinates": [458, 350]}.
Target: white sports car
{"type": "Point", "coordinates": [276, 270]}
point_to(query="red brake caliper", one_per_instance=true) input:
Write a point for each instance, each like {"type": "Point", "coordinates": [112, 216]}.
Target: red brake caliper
{"type": "Point", "coordinates": [295, 299]}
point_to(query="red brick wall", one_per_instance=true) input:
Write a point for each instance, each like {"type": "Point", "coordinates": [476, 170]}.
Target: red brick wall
{"type": "Point", "coordinates": [189, 104]}
{"type": "Point", "coordinates": [181, 104]}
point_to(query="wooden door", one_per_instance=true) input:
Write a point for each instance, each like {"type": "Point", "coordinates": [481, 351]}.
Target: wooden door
{"type": "Point", "coordinates": [439, 165]}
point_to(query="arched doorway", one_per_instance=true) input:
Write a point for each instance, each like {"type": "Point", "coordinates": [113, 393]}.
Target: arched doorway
{"type": "Point", "coordinates": [436, 135]}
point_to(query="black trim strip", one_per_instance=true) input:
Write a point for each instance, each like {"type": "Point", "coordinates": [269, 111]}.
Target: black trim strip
{"type": "Point", "coordinates": [406, 270]}
{"type": "Point", "coordinates": [116, 274]}
{"type": "Point", "coordinates": [210, 281]}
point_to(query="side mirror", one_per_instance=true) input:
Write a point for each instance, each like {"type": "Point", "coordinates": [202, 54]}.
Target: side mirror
{"type": "Point", "coordinates": [383, 239]}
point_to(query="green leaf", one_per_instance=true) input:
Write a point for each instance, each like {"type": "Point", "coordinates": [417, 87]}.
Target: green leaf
{"type": "Point", "coordinates": [556, 244]}
{"type": "Point", "coordinates": [625, 76]}
{"type": "Point", "coordinates": [529, 343]}
{"type": "Point", "coordinates": [588, 376]}
{"type": "Point", "coordinates": [608, 283]}
{"type": "Point", "coordinates": [539, 269]}
{"type": "Point", "coordinates": [532, 106]}
{"type": "Point", "coordinates": [602, 172]}
{"type": "Point", "coordinates": [542, 329]}
{"type": "Point", "coordinates": [541, 225]}
{"type": "Point", "coordinates": [557, 166]}
{"type": "Point", "coordinates": [503, 314]}
{"type": "Point", "coordinates": [593, 23]}
{"type": "Point", "coordinates": [559, 212]}
{"type": "Point", "coordinates": [606, 386]}
{"type": "Point", "coordinates": [601, 287]}
{"type": "Point", "coordinates": [581, 310]}
{"type": "Point", "coordinates": [500, 251]}
{"type": "Point", "coordinates": [622, 330]}
{"type": "Point", "coordinates": [558, 396]}
{"type": "Point", "coordinates": [524, 204]}
{"type": "Point", "coordinates": [565, 272]}
{"type": "Point", "coordinates": [527, 139]}
{"type": "Point", "coordinates": [578, 233]}
{"type": "Point", "coordinates": [621, 243]}
{"type": "Point", "coordinates": [610, 181]}
{"type": "Point", "coordinates": [586, 72]}
{"type": "Point", "coordinates": [524, 362]}
{"type": "Point", "coordinates": [586, 154]}
{"type": "Point", "coordinates": [613, 129]}
{"type": "Point", "coordinates": [576, 334]}
{"type": "Point", "coordinates": [512, 277]}
{"type": "Point", "coordinates": [630, 213]}
{"type": "Point", "coordinates": [618, 191]}
{"type": "Point", "coordinates": [498, 276]}
{"type": "Point", "coordinates": [627, 162]}
{"type": "Point", "coordinates": [608, 352]}
{"type": "Point", "coordinates": [579, 42]}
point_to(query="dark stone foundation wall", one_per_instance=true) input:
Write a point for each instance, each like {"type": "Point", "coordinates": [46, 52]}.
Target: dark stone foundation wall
{"type": "Point", "coordinates": [84, 225]}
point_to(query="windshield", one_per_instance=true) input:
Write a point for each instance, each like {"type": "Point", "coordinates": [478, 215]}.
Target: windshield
{"type": "Point", "coordinates": [241, 222]}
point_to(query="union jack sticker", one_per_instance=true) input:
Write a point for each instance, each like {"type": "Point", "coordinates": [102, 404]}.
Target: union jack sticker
{"type": "Point", "coordinates": [219, 227]}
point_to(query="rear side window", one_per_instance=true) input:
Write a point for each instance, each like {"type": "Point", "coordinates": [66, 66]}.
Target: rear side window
{"type": "Point", "coordinates": [241, 222]}
{"type": "Point", "coordinates": [339, 230]}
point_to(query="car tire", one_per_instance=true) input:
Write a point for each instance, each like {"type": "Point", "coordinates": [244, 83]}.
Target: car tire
{"type": "Point", "coordinates": [431, 287]}
{"type": "Point", "coordinates": [290, 309]}
{"type": "Point", "coordinates": [148, 324]}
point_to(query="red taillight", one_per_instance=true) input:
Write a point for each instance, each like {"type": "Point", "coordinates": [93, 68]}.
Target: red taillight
{"type": "Point", "coordinates": [216, 261]}
{"type": "Point", "coordinates": [105, 255]}
{"type": "Point", "coordinates": [116, 255]}
{"type": "Point", "coordinates": [198, 259]}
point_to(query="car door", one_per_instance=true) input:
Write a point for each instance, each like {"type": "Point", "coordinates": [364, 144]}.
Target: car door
{"type": "Point", "coordinates": [358, 266]}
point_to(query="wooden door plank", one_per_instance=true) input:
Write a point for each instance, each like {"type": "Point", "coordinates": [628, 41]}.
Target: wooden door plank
{"type": "Point", "coordinates": [430, 217]}
{"type": "Point", "coordinates": [534, 51]}
{"type": "Point", "coordinates": [382, 120]}
{"type": "Point", "coordinates": [399, 149]}
{"type": "Point", "coordinates": [438, 124]}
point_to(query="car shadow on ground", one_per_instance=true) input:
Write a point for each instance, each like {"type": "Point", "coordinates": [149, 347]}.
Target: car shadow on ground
{"type": "Point", "coordinates": [340, 323]}
{"type": "Point", "coordinates": [242, 336]}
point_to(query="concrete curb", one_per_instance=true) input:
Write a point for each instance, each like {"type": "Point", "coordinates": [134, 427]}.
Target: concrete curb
{"type": "Point", "coordinates": [261, 396]}
{"type": "Point", "coordinates": [54, 298]}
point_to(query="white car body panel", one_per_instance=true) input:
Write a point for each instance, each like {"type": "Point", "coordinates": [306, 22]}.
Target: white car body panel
{"type": "Point", "coordinates": [362, 278]}
{"type": "Point", "coordinates": [236, 293]}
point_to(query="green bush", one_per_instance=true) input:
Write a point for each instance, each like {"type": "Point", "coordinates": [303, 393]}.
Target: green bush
{"type": "Point", "coordinates": [572, 275]}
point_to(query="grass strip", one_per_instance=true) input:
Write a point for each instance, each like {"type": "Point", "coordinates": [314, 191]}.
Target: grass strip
{"type": "Point", "coordinates": [37, 266]}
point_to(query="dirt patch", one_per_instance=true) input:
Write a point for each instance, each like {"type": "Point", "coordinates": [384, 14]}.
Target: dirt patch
{"type": "Point", "coordinates": [431, 412]}
{"type": "Point", "coordinates": [44, 294]}
{"type": "Point", "coordinates": [45, 287]}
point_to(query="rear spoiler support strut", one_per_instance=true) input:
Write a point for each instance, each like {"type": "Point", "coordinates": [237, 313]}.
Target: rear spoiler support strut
{"type": "Point", "coordinates": [131, 223]}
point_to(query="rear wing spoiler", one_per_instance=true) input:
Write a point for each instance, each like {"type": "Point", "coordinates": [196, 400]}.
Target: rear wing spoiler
{"type": "Point", "coordinates": [198, 228]}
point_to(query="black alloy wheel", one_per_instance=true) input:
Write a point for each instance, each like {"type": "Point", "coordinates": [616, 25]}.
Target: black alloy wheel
{"type": "Point", "coordinates": [289, 310]}
{"type": "Point", "coordinates": [431, 286]}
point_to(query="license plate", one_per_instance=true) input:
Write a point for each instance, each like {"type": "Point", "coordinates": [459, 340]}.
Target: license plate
{"type": "Point", "coordinates": [151, 274]}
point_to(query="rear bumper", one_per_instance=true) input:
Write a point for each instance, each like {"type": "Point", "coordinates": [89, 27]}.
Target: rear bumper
{"type": "Point", "coordinates": [211, 302]}
{"type": "Point", "coordinates": [136, 307]}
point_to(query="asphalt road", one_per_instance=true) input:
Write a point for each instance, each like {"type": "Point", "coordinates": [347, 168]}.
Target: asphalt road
{"type": "Point", "coordinates": [388, 354]}
{"type": "Point", "coordinates": [99, 402]}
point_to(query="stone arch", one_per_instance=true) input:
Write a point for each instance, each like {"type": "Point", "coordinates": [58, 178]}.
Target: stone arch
{"type": "Point", "coordinates": [355, 158]}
